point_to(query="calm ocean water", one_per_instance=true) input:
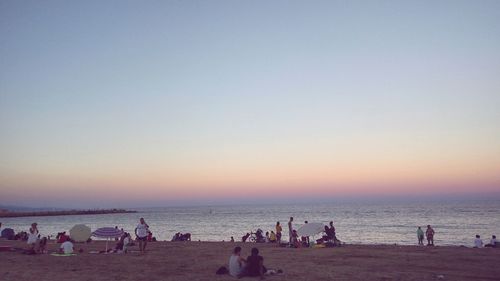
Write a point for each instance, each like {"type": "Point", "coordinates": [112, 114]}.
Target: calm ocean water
{"type": "Point", "coordinates": [455, 222]}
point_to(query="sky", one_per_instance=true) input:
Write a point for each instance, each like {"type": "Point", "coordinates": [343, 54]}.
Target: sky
{"type": "Point", "coordinates": [171, 101]}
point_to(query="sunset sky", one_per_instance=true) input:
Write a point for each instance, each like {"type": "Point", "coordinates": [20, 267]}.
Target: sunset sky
{"type": "Point", "coordinates": [158, 101]}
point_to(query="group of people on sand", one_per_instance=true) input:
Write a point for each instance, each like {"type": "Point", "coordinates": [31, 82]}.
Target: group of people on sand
{"type": "Point", "coordinates": [252, 266]}
{"type": "Point", "coordinates": [179, 236]}
{"type": "Point", "coordinates": [429, 234]}
{"type": "Point", "coordinates": [38, 244]}
{"type": "Point", "coordinates": [294, 240]}
{"type": "Point", "coordinates": [478, 242]}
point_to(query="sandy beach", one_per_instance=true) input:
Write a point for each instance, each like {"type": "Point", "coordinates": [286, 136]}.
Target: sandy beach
{"type": "Point", "coordinates": [199, 261]}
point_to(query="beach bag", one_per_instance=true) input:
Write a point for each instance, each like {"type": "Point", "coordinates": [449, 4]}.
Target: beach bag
{"type": "Point", "coordinates": [222, 270]}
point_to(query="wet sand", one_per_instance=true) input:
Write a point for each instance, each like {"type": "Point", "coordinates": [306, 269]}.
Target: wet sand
{"type": "Point", "coordinates": [199, 261]}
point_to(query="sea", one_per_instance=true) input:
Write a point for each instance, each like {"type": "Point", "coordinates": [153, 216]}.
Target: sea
{"type": "Point", "coordinates": [456, 222]}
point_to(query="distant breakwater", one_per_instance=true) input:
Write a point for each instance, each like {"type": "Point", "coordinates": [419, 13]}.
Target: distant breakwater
{"type": "Point", "coordinates": [7, 214]}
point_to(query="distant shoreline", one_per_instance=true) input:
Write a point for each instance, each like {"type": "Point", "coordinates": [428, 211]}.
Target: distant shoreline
{"type": "Point", "coordinates": [7, 214]}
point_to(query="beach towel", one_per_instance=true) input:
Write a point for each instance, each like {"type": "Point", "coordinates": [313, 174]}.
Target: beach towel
{"type": "Point", "coordinates": [62, 255]}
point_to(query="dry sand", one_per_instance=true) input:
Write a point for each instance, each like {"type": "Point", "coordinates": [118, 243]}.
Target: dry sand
{"type": "Point", "coordinates": [199, 261]}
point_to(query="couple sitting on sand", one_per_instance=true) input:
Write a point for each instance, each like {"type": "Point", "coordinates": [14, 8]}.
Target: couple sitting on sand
{"type": "Point", "coordinates": [252, 266]}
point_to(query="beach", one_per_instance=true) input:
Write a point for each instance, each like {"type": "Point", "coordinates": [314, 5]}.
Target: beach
{"type": "Point", "coordinates": [199, 261]}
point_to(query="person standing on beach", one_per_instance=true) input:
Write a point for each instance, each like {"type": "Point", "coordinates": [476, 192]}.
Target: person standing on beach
{"type": "Point", "coordinates": [420, 236]}
{"type": "Point", "coordinates": [430, 235]}
{"type": "Point", "coordinates": [33, 235]}
{"type": "Point", "coordinates": [290, 230]}
{"type": "Point", "coordinates": [278, 232]}
{"type": "Point", "coordinates": [141, 231]}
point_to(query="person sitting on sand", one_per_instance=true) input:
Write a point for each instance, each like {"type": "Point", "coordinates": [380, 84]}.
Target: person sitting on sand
{"type": "Point", "coordinates": [255, 265]}
{"type": "Point", "coordinates": [33, 235]}
{"type": "Point", "coordinates": [236, 263]}
{"type": "Point", "coordinates": [121, 243]}
{"type": "Point", "coordinates": [420, 236]}
{"type": "Point", "coordinates": [232, 239]}
{"type": "Point", "coordinates": [478, 242]}
{"type": "Point", "coordinates": [325, 237]}
{"type": "Point", "coordinates": [305, 239]}
{"type": "Point", "coordinates": [186, 237]}
{"type": "Point", "coordinates": [176, 237]}
{"type": "Point", "coordinates": [493, 242]}
{"type": "Point", "coordinates": [272, 237]}
{"type": "Point", "coordinates": [41, 247]}
{"type": "Point", "coordinates": [66, 247]}
{"type": "Point", "coordinates": [245, 237]}
{"type": "Point", "coordinates": [61, 237]}
{"type": "Point", "coordinates": [430, 235]}
{"type": "Point", "coordinates": [141, 231]}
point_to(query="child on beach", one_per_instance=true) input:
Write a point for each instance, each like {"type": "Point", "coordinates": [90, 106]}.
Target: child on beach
{"type": "Point", "coordinates": [420, 236]}
{"type": "Point", "coordinates": [272, 237]}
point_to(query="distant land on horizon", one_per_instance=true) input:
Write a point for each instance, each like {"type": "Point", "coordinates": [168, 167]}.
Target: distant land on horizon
{"type": "Point", "coordinates": [17, 208]}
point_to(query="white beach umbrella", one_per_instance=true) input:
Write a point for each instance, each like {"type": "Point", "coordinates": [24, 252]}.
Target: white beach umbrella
{"type": "Point", "coordinates": [311, 229]}
{"type": "Point", "coordinates": [80, 233]}
{"type": "Point", "coordinates": [108, 233]}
